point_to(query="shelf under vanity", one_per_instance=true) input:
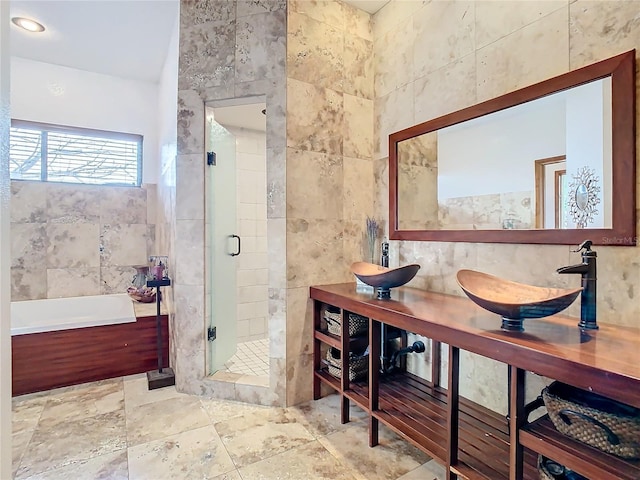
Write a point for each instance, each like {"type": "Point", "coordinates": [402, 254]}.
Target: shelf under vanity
{"type": "Point", "coordinates": [468, 438]}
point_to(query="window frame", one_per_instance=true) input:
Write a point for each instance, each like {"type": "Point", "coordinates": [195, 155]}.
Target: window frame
{"type": "Point", "coordinates": [89, 132]}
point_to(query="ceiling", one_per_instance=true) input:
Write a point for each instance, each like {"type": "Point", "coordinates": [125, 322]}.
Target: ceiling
{"type": "Point", "coordinates": [371, 6]}
{"type": "Point", "coordinates": [125, 38]}
{"type": "Point", "coordinates": [245, 116]}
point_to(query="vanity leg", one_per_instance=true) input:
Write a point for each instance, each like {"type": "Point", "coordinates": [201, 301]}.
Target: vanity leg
{"type": "Point", "coordinates": [517, 420]}
{"type": "Point", "coordinates": [317, 315]}
{"type": "Point", "coordinates": [374, 378]}
{"type": "Point", "coordinates": [344, 362]}
{"type": "Point", "coordinates": [452, 410]}
{"type": "Point", "coordinates": [435, 362]}
{"type": "Point", "coordinates": [344, 410]}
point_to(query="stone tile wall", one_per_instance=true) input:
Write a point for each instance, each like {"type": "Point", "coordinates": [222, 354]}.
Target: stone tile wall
{"type": "Point", "coordinates": [253, 264]}
{"type": "Point", "coordinates": [329, 162]}
{"type": "Point", "coordinates": [228, 49]}
{"type": "Point", "coordinates": [76, 240]}
{"type": "Point", "coordinates": [433, 58]}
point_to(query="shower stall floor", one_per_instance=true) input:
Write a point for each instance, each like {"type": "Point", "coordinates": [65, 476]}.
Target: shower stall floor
{"type": "Point", "coordinates": [251, 358]}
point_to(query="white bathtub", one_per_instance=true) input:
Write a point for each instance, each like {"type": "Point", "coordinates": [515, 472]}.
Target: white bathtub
{"type": "Point", "coordinates": [35, 316]}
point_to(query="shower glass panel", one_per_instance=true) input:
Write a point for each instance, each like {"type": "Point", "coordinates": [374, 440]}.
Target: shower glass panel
{"type": "Point", "coordinates": [224, 244]}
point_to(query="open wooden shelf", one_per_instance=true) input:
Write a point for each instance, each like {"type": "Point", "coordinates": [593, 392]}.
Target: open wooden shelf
{"type": "Point", "coordinates": [417, 411]}
{"type": "Point", "coordinates": [542, 437]}
{"type": "Point", "coordinates": [328, 338]}
{"type": "Point", "coordinates": [328, 379]}
{"type": "Point", "coordinates": [336, 342]}
{"type": "Point", "coordinates": [358, 393]}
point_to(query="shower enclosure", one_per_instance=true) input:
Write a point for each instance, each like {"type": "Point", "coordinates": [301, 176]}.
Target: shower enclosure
{"type": "Point", "coordinates": [237, 280]}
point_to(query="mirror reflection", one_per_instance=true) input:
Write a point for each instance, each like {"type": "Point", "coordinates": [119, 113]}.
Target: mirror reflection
{"type": "Point", "coordinates": [544, 164]}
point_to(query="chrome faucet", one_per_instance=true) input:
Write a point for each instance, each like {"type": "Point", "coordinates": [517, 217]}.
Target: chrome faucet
{"type": "Point", "coordinates": [587, 269]}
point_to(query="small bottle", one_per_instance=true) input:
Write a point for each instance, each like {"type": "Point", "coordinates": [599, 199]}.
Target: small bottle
{"type": "Point", "coordinates": [158, 271]}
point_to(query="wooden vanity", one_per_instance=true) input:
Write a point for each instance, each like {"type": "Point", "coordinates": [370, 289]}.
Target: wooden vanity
{"type": "Point", "coordinates": [470, 440]}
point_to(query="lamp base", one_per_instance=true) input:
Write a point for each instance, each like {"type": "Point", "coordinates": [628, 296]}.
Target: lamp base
{"type": "Point", "coordinates": [157, 379]}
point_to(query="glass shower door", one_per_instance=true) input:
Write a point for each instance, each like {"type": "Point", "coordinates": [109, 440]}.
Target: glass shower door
{"type": "Point", "coordinates": [224, 244]}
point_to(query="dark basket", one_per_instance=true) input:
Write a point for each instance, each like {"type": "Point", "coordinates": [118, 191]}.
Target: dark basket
{"type": "Point", "coordinates": [358, 364]}
{"type": "Point", "coordinates": [605, 424]}
{"type": "Point", "coordinates": [550, 470]}
{"type": "Point", "coordinates": [357, 323]}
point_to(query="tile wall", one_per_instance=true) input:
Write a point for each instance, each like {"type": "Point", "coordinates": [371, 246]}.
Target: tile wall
{"type": "Point", "coordinates": [329, 162]}
{"type": "Point", "coordinates": [253, 264]}
{"type": "Point", "coordinates": [433, 58]}
{"type": "Point", "coordinates": [228, 49]}
{"type": "Point", "coordinates": [77, 240]}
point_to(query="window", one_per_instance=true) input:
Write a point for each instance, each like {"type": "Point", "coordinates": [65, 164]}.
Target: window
{"type": "Point", "coordinates": [55, 153]}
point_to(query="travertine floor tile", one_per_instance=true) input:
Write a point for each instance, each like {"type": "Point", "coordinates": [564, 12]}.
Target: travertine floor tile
{"type": "Point", "coordinates": [193, 454]}
{"type": "Point", "coordinates": [222, 410]}
{"type": "Point", "coordinates": [431, 470]}
{"type": "Point", "coordinates": [260, 435]}
{"type": "Point", "coordinates": [25, 412]}
{"type": "Point", "coordinates": [157, 420]}
{"type": "Point", "coordinates": [229, 476]}
{"type": "Point", "coordinates": [111, 466]}
{"type": "Point", "coordinates": [309, 462]}
{"type": "Point", "coordinates": [82, 432]}
{"type": "Point", "coordinates": [136, 392]}
{"type": "Point", "coordinates": [391, 458]}
{"type": "Point", "coordinates": [56, 443]}
{"type": "Point", "coordinates": [19, 442]}
{"type": "Point", "coordinates": [322, 417]}
{"type": "Point", "coordinates": [85, 401]}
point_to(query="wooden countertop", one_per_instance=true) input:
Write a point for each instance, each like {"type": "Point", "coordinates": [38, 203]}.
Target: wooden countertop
{"type": "Point", "coordinates": [605, 361]}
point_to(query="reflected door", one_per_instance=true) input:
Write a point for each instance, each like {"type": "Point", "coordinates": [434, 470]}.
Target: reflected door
{"type": "Point", "coordinates": [224, 244]}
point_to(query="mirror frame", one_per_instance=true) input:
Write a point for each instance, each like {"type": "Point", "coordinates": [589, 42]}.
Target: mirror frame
{"type": "Point", "coordinates": [621, 69]}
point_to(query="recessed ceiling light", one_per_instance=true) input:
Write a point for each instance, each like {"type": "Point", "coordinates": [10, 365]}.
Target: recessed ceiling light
{"type": "Point", "coordinates": [28, 24]}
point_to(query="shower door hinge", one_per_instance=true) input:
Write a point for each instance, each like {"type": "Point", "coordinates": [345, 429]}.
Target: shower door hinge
{"type": "Point", "coordinates": [211, 334]}
{"type": "Point", "coordinates": [211, 159]}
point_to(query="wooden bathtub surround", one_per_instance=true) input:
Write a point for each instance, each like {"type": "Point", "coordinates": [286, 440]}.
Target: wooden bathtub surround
{"type": "Point", "coordinates": [42, 361]}
{"type": "Point", "coordinates": [469, 439]}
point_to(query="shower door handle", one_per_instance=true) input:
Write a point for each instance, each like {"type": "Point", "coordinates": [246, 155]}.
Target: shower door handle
{"type": "Point", "coordinates": [239, 246]}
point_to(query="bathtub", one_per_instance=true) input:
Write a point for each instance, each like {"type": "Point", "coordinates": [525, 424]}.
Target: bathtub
{"type": "Point", "coordinates": [67, 341]}
{"type": "Point", "coordinates": [36, 316]}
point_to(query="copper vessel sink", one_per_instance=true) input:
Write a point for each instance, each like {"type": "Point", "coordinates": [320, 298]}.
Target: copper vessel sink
{"type": "Point", "coordinates": [514, 301]}
{"type": "Point", "coordinates": [384, 278]}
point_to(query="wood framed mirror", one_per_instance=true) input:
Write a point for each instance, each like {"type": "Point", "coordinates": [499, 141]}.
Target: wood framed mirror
{"type": "Point", "coordinates": [470, 176]}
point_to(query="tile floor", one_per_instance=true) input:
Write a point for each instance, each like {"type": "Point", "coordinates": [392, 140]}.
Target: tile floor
{"type": "Point", "coordinates": [117, 430]}
{"type": "Point", "coordinates": [251, 358]}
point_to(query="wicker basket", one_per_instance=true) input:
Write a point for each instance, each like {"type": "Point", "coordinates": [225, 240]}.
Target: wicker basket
{"type": "Point", "coordinates": [550, 470]}
{"type": "Point", "coordinates": [358, 364]}
{"type": "Point", "coordinates": [610, 426]}
{"type": "Point", "coordinates": [357, 323]}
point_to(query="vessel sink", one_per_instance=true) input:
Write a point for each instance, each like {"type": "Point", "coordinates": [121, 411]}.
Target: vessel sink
{"type": "Point", "coordinates": [514, 301]}
{"type": "Point", "coordinates": [384, 278]}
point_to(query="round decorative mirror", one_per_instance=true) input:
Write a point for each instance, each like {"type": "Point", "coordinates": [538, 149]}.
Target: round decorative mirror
{"type": "Point", "coordinates": [583, 197]}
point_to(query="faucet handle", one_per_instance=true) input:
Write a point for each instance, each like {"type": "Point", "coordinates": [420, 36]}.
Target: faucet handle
{"type": "Point", "coordinates": [586, 245]}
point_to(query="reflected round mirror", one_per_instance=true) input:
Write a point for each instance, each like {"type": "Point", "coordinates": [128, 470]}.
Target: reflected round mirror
{"type": "Point", "coordinates": [582, 196]}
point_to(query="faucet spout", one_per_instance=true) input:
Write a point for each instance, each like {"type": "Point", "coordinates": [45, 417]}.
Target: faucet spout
{"type": "Point", "coordinates": [580, 268]}
{"type": "Point", "coordinates": [587, 270]}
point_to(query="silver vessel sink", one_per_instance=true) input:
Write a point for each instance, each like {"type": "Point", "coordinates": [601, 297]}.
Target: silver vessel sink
{"type": "Point", "coordinates": [514, 301]}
